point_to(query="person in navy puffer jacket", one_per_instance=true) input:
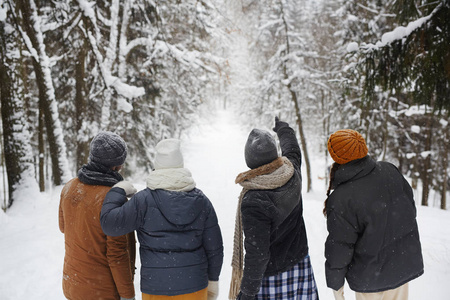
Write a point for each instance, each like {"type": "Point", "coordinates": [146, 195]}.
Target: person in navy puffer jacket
{"type": "Point", "coordinates": [181, 246]}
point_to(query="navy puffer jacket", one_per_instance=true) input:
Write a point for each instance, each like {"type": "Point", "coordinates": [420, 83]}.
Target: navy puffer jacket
{"type": "Point", "coordinates": [180, 240]}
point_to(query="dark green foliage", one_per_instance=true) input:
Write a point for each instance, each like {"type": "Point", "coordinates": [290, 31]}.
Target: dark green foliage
{"type": "Point", "coordinates": [405, 87]}
{"type": "Point", "coordinates": [406, 10]}
{"type": "Point", "coordinates": [418, 64]}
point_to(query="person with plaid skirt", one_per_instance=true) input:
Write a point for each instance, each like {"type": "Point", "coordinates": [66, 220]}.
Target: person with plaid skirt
{"type": "Point", "coordinates": [270, 216]}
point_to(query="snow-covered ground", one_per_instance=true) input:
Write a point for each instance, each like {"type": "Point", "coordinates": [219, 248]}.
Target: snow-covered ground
{"type": "Point", "coordinates": [32, 247]}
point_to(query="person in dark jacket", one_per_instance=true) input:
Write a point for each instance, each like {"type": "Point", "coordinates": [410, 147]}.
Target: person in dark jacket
{"type": "Point", "coordinates": [270, 215]}
{"type": "Point", "coordinates": [96, 266]}
{"type": "Point", "coordinates": [180, 239]}
{"type": "Point", "coordinates": [373, 239]}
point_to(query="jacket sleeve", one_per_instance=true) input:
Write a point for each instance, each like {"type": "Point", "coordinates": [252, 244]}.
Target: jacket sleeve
{"type": "Point", "coordinates": [256, 221]}
{"type": "Point", "coordinates": [339, 246]}
{"type": "Point", "coordinates": [119, 256]}
{"type": "Point", "coordinates": [119, 216]}
{"type": "Point", "coordinates": [289, 146]}
{"type": "Point", "coordinates": [213, 245]}
{"type": "Point", "coordinates": [61, 218]}
{"type": "Point", "coordinates": [61, 211]}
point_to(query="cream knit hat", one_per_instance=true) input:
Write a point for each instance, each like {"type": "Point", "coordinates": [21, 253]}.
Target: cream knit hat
{"type": "Point", "coordinates": [168, 154]}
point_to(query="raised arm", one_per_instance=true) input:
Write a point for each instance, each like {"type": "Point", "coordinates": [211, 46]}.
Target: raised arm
{"type": "Point", "coordinates": [288, 142]}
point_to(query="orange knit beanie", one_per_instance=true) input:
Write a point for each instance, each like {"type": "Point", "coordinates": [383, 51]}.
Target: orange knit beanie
{"type": "Point", "coordinates": [346, 145]}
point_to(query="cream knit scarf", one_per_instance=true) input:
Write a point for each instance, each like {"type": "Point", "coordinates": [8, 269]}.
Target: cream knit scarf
{"type": "Point", "coordinates": [266, 177]}
{"type": "Point", "coordinates": [175, 179]}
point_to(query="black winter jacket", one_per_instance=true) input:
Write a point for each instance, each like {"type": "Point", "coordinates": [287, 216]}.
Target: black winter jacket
{"type": "Point", "coordinates": [373, 238]}
{"type": "Point", "coordinates": [180, 239]}
{"type": "Point", "coordinates": [275, 235]}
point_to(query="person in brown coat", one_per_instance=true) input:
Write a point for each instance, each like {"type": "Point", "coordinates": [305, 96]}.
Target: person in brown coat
{"type": "Point", "coordinates": [96, 266]}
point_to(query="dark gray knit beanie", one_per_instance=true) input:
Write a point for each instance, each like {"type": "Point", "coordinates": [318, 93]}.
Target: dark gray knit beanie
{"type": "Point", "coordinates": [260, 148]}
{"type": "Point", "coordinates": [108, 149]}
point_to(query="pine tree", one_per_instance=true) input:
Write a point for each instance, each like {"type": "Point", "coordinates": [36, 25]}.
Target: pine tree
{"type": "Point", "coordinates": [410, 64]}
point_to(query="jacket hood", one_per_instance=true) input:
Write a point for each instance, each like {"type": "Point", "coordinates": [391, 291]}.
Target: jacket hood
{"type": "Point", "coordinates": [180, 208]}
{"type": "Point", "coordinates": [354, 170]}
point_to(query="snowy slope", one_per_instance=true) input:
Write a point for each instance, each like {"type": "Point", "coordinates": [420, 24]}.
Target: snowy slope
{"type": "Point", "coordinates": [32, 248]}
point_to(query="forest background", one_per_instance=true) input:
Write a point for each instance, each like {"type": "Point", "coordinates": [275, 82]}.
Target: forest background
{"type": "Point", "coordinates": [142, 68]}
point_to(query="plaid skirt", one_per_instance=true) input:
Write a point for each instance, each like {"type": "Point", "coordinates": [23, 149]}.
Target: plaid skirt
{"type": "Point", "coordinates": [297, 283]}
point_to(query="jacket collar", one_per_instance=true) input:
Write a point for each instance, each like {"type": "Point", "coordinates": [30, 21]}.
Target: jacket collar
{"type": "Point", "coordinates": [353, 170]}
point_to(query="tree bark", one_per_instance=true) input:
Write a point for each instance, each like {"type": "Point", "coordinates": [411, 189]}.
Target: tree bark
{"type": "Point", "coordinates": [17, 152]}
{"type": "Point", "coordinates": [12, 159]}
{"type": "Point", "coordinates": [445, 170]}
{"type": "Point", "coordinates": [426, 173]}
{"type": "Point", "coordinates": [46, 94]}
{"type": "Point", "coordinates": [297, 108]}
{"type": "Point", "coordinates": [80, 107]}
{"type": "Point", "coordinates": [302, 139]}
{"type": "Point", "coordinates": [41, 148]}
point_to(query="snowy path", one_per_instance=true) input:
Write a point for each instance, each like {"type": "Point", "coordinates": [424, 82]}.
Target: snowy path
{"type": "Point", "coordinates": [215, 155]}
{"type": "Point", "coordinates": [32, 248]}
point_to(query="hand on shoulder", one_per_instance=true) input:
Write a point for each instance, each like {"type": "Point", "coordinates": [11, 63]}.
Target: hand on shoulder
{"type": "Point", "coordinates": [127, 186]}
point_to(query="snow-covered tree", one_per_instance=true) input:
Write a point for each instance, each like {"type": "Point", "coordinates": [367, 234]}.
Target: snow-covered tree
{"type": "Point", "coordinates": [28, 23]}
{"type": "Point", "coordinates": [16, 147]}
{"type": "Point", "coordinates": [283, 54]}
{"type": "Point", "coordinates": [139, 68]}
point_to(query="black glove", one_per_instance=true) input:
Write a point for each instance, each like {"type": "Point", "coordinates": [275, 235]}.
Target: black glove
{"type": "Point", "coordinates": [279, 124]}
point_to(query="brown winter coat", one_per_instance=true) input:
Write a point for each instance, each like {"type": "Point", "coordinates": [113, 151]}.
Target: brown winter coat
{"type": "Point", "coordinates": [96, 266]}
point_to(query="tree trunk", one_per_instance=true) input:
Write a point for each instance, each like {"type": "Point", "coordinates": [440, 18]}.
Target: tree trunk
{"type": "Point", "coordinates": [12, 159]}
{"type": "Point", "coordinates": [46, 93]}
{"type": "Point", "coordinates": [426, 173]}
{"type": "Point", "coordinates": [41, 148]}
{"type": "Point", "coordinates": [445, 169]}
{"type": "Point", "coordinates": [385, 127]}
{"type": "Point", "coordinates": [17, 153]}
{"type": "Point", "coordinates": [5, 189]}
{"type": "Point", "coordinates": [326, 132]}
{"type": "Point", "coordinates": [297, 107]}
{"type": "Point", "coordinates": [48, 120]}
{"type": "Point", "coordinates": [302, 140]}
{"type": "Point", "coordinates": [80, 108]}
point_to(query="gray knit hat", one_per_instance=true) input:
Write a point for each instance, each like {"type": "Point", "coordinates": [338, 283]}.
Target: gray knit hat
{"type": "Point", "coordinates": [260, 148]}
{"type": "Point", "coordinates": [108, 149]}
